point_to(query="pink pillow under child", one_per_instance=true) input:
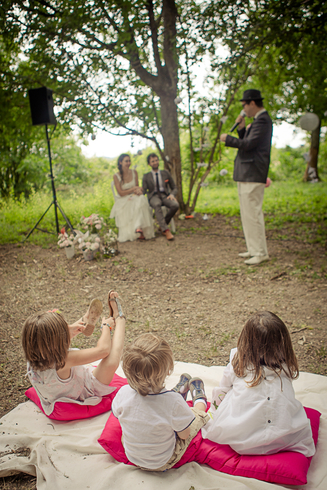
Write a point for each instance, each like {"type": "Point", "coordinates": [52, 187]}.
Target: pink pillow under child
{"type": "Point", "coordinates": [73, 411]}
{"type": "Point", "coordinates": [286, 468]}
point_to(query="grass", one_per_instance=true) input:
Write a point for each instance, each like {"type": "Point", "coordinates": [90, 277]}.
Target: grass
{"type": "Point", "coordinates": [17, 218]}
{"type": "Point", "coordinates": [282, 199]}
{"type": "Point", "coordinates": [293, 203]}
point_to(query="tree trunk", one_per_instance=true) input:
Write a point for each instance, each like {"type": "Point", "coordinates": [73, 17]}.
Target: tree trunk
{"type": "Point", "coordinates": [311, 172]}
{"type": "Point", "coordinates": [170, 133]}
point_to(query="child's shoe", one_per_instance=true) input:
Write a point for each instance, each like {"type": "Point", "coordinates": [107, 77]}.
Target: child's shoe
{"type": "Point", "coordinates": [182, 386]}
{"type": "Point", "coordinates": [196, 386]}
{"type": "Point", "coordinates": [92, 316]}
{"type": "Point", "coordinates": [117, 301]}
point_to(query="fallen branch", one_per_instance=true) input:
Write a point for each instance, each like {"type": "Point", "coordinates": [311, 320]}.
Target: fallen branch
{"type": "Point", "coordinates": [278, 275]}
{"type": "Point", "coordinates": [300, 330]}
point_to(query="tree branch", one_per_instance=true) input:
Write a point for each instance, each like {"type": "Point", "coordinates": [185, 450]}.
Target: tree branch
{"type": "Point", "coordinates": [154, 36]}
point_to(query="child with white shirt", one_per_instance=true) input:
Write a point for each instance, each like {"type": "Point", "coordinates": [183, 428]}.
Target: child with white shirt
{"type": "Point", "coordinates": [57, 372]}
{"type": "Point", "coordinates": [157, 424]}
{"type": "Point", "coordinates": [254, 409]}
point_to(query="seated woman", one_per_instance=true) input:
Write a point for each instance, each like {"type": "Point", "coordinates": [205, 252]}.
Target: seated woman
{"type": "Point", "coordinates": [131, 209]}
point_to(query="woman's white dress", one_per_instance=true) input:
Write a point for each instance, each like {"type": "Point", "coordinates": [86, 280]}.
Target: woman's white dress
{"type": "Point", "coordinates": [132, 212]}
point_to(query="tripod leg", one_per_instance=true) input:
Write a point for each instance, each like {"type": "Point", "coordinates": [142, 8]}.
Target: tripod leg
{"type": "Point", "coordinates": [38, 222]}
{"type": "Point", "coordinates": [52, 178]}
{"type": "Point", "coordinates": [65, 217]}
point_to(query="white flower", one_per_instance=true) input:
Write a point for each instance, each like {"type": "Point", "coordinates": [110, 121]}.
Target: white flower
{"type": "Point", "coordinates": [223, 172]}
{"type": "Point", "coordinates": [98, 227]}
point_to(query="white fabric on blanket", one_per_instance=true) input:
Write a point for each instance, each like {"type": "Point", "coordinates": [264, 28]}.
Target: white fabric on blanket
{"type": "Point", "coordinates": [66, 455]}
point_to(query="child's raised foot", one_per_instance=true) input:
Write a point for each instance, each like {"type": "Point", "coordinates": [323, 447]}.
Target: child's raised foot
{"type": "Point", "coordinates": [182, 386]}
{"type": "Point", "coordinates": [113, 297]}
{"type": "Point", "coordinates": [92, 316]}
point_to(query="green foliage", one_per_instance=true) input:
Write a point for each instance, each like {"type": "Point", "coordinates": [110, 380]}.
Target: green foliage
{"type": "Point", "coordinates": [121, 64]}
{"type": "Point", "coordinates": [17, 136]}
{"type": "Point", "coordinates": [288, 164]}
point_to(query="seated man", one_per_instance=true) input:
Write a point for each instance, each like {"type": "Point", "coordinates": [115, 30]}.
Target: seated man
{"type": "Point", "coordinates": [161, 190]}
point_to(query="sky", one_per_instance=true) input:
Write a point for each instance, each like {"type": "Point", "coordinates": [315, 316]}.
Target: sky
{"type": "Point", "coordinates": [106, 145]}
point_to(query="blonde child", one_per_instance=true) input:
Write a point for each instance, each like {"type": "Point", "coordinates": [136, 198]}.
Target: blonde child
{"type": "Point", "coordinates": [254, 410]}
{"type": "Point", "coordinates": [58, 372]}
{"type": "Point", "coordinates": [157, 423]}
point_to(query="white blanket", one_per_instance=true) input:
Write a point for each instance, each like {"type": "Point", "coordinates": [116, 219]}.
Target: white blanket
{"type": "Point", "coordinates": [66, 455]}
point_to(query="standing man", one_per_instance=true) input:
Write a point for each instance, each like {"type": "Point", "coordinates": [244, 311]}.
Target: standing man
{"type": "Point", "coordinates": [250, 172]}
{"type": "Point", "coordinates": [161, 190]}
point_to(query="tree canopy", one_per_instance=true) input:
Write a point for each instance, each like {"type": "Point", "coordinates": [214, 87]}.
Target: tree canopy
{"type": "Point", "coordinates": [123, 65]}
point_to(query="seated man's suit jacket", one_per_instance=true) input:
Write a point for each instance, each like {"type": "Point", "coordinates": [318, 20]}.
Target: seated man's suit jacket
{"type": "Point", "coordinates": [148, 184]}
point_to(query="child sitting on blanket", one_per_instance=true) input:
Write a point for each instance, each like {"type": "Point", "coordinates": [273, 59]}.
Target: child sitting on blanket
{"type": "Point", "coordinates": [254, 410]}
{"type": "Point", "coordinates": [57, 372]}
{"type": "Point", "coordinates": [157, 424]}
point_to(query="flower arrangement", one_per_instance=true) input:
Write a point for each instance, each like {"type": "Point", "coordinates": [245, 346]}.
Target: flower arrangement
{"type": "Point", "coordinates": [89, 241]}
{"type": "Point", "coordinates": [93, 223]}
{"type": "Point", "coordinates": [64, 240]}
{"type": "Point", "coordinates": [91, 236]}
{"type": "Point", "coordinates": [110, 244]}
{"type": "Point", "coordinates": [110, 238]}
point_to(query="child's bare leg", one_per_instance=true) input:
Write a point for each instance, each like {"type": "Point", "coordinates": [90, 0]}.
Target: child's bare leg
{"type": "Point", "coordinates": [106, 369]}
{"type": "Point", "coordinates": [200, 406]}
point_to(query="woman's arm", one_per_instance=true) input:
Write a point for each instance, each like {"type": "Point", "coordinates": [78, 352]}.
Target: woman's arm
{"type": "Point", "coordinates": [138, 190]}
{"type": "Point", "coordinates": [124, 192]}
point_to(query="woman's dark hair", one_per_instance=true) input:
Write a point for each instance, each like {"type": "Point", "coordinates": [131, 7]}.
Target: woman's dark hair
{"type": "Point", "coordinates": [264, 342]}
{"type": "Point", "coordinates": [120, 159]}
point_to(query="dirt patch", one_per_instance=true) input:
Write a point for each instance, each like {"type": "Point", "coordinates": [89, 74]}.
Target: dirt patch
{"type": "Point", "coordinates": [194, 291]}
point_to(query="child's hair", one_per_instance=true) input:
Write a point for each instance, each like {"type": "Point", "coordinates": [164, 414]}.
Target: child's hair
{"type": "Point", "coordinates": [264, 342]}
{"type": "Point", "coordinates": [147, 362]}
{"type": "Point", "coordinates": [46, 340]}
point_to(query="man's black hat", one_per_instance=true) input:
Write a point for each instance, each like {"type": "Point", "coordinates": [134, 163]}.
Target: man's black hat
{"type": "Point", "coordinates": [251, 94]}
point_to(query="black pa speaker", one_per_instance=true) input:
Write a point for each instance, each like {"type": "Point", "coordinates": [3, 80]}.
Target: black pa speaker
{"type": "Point", "coordinates": [41, 104]}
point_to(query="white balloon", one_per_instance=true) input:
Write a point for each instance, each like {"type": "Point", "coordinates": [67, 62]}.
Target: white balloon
{"type": "Point", "coordinates": [309, 121]}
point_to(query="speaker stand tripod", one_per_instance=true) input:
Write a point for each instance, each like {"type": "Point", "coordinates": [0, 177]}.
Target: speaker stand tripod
{"type": "Point", "coordinates": [54, 200]}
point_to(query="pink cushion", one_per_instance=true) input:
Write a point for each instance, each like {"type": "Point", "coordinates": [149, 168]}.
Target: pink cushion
{"type": "Point", "coordinates": [286, 468]}
{"type": "Point", "coordinates": [73, 411]}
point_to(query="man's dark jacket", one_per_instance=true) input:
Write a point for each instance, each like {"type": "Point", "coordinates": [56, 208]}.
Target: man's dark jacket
{"type": "Point", "coordinates": [253, 156]}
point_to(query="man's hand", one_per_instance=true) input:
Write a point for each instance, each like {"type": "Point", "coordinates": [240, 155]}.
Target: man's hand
{"type": "Point", "coordinates": [223, 137]}
{"type": "Point", "coordinates": [241, 120]}
{"type": "Point", "coordinates": [171, 197]}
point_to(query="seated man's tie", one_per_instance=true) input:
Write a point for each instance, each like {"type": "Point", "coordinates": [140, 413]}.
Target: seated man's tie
{"type": "Point", "coordinates": [157, 182]}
